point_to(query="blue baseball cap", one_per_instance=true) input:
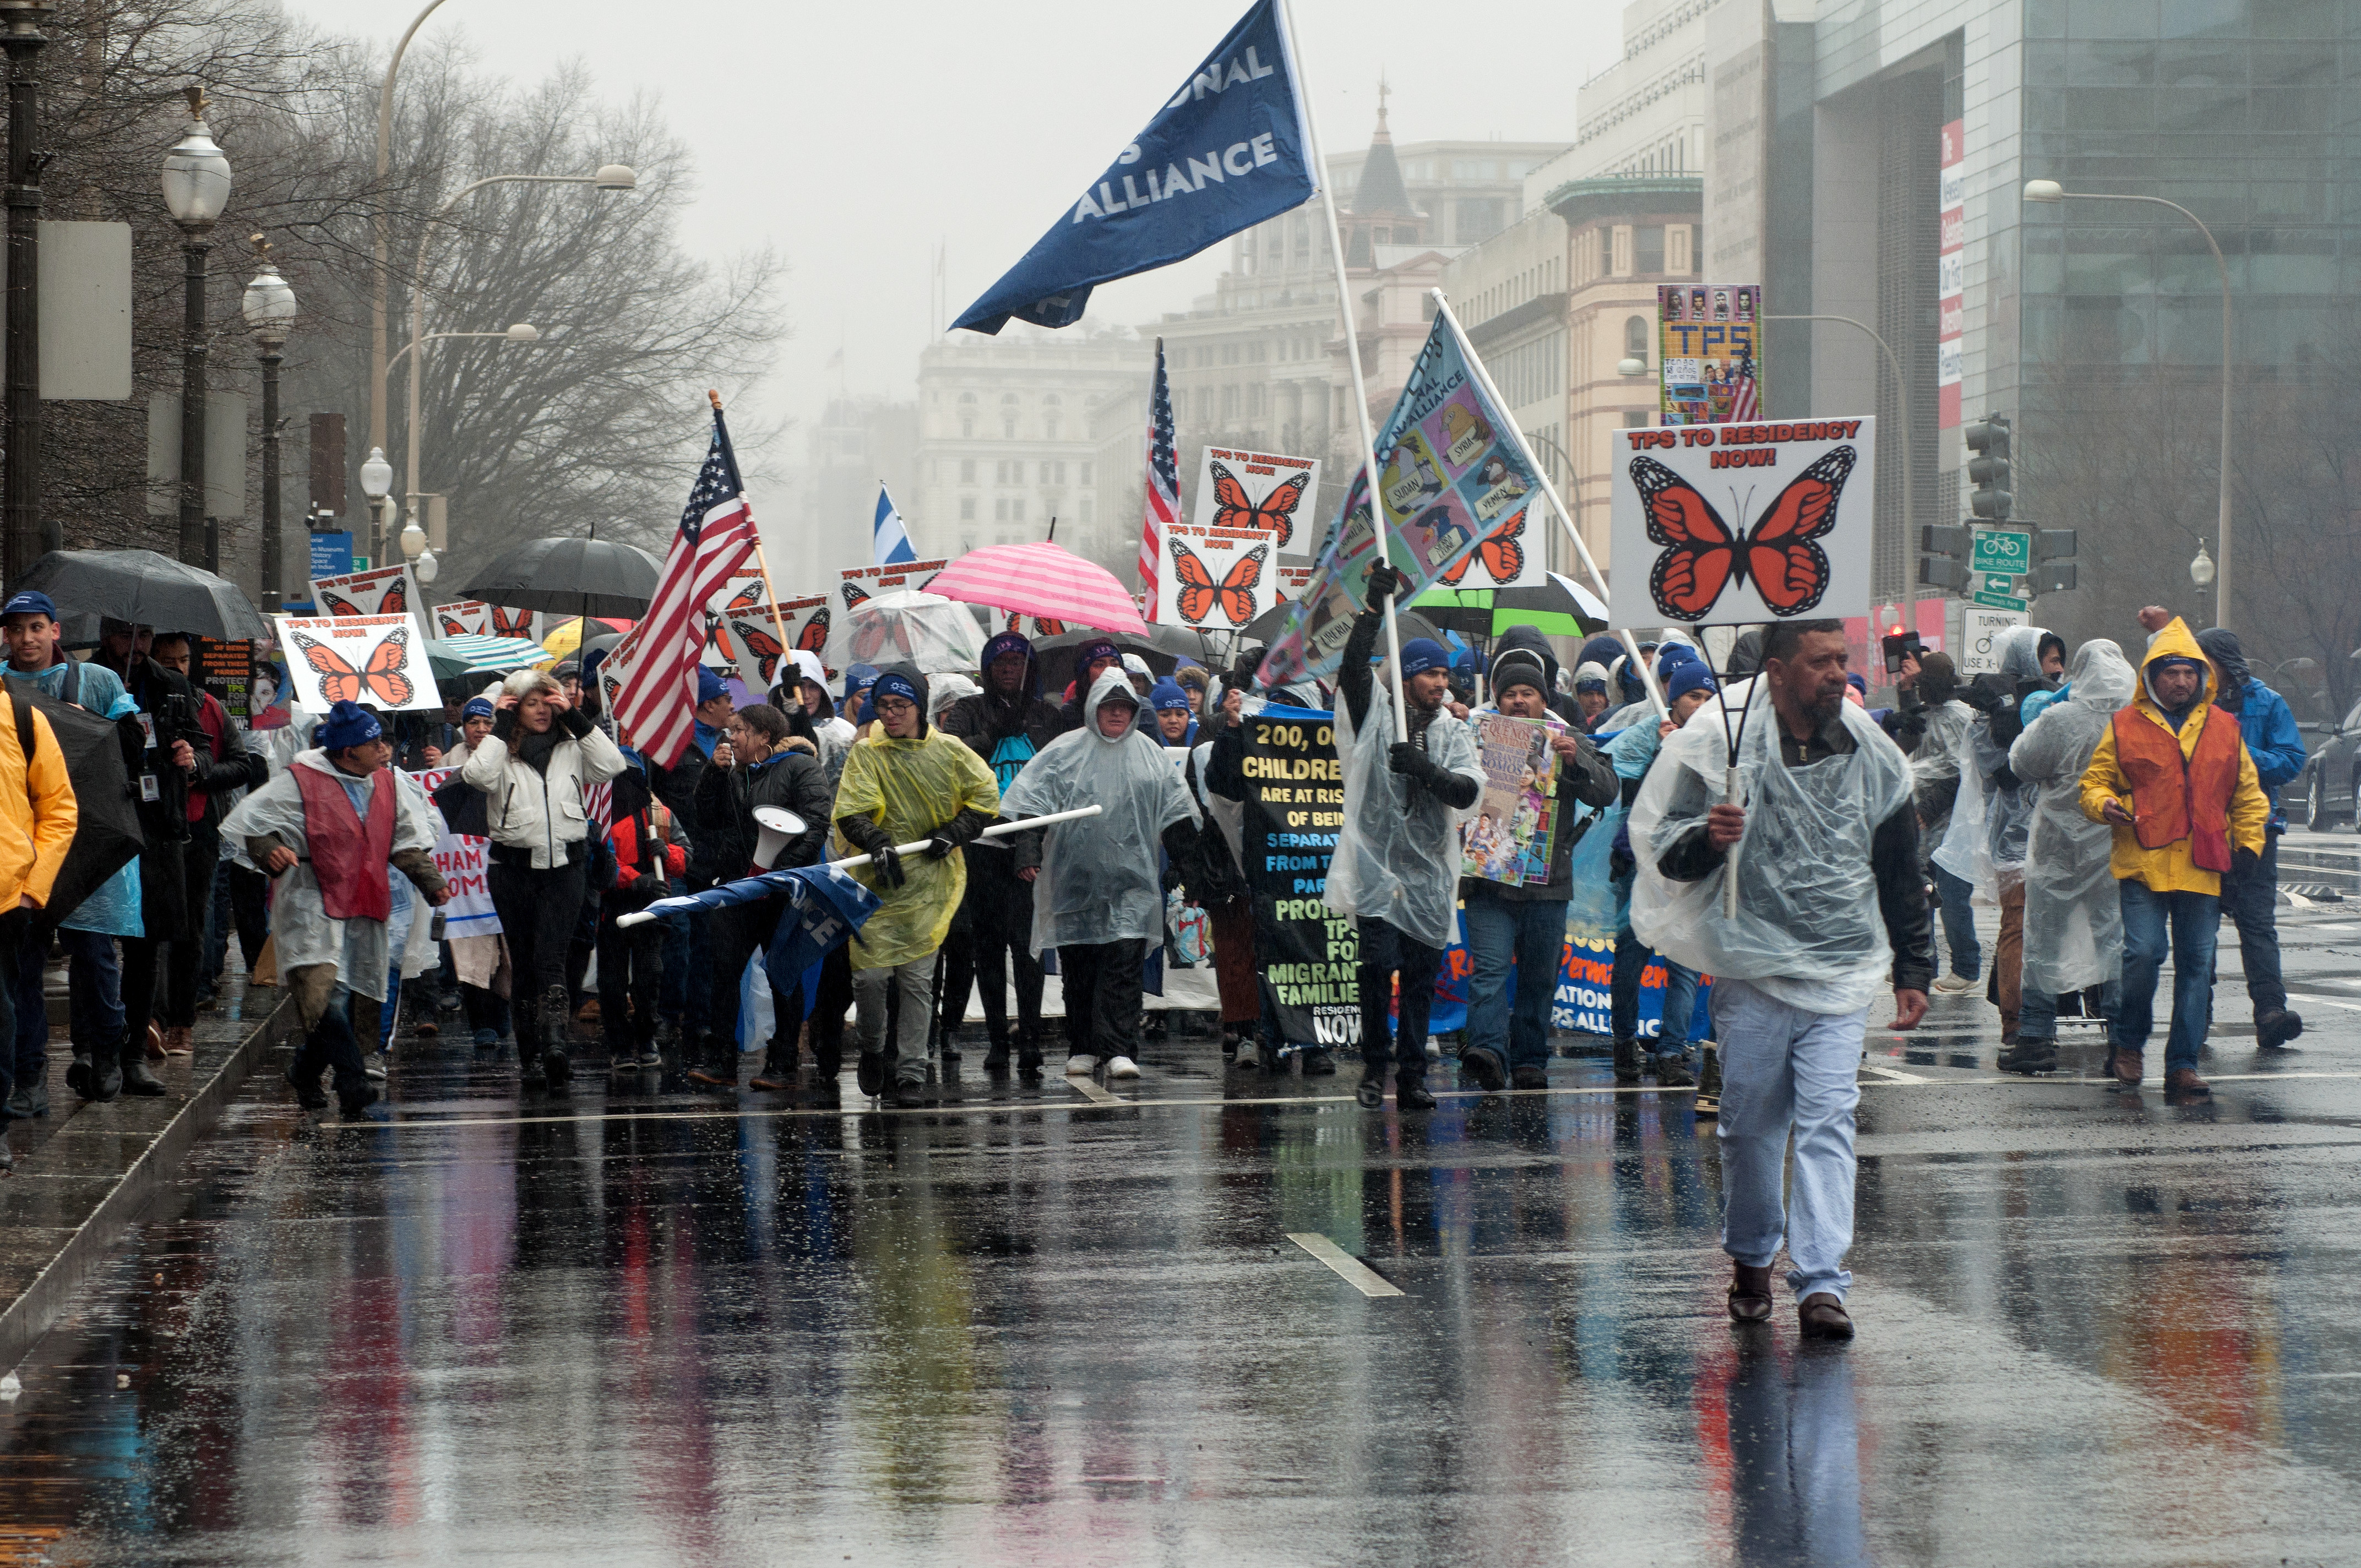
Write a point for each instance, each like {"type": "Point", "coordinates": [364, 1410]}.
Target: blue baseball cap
{"type": "Point", "coordinates": [30, 602]}
{"type": "Point", "coordinates": [1421, 654]}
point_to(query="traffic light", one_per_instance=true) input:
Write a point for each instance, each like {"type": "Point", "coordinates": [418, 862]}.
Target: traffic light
{"type": "Point", "coordinates": [1947, 547]}
{"type": "Point", "coordinates": [2053, 556]}
{"type": "Point", "coordinates": [1988, 468]}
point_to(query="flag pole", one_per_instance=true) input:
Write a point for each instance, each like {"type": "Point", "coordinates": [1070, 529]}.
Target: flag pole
{"type": "Point", "coordinates": [770, 589]}
{"type": "Point", "coordinates": [1352, 351]}
{"type": "Point", "coordinates": [1541, 475]}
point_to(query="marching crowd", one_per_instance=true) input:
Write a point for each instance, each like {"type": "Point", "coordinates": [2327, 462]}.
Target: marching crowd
{"type": "Point", "coordinates": [2114, 807]}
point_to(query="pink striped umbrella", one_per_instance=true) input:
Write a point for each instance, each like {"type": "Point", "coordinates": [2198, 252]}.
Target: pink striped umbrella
{"type": "Point", "coordinates": [1040, 580]}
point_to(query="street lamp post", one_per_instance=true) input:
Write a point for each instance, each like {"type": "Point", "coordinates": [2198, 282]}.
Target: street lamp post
{"type": "Point", "coordinates": [196, 189]}
{"type": "Point", "coordinates": [377, 229]}
{"type": "Point", "coordinates": [269, 310]}
{"type": "Point", "coordinates": [376, 478]}
{"type": "Point", "coordinates": [2049, 191]}
{"type": "Point", "coordinates": [27, 534]}
{"type": "Point", "coordinates": [1902, 418]}
{"type": "Point", "coordinates": [516, 332]}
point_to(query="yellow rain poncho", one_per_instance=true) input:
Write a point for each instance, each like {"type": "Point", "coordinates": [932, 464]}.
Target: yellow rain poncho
{"type": "Point", "coordinates": [911, 788]}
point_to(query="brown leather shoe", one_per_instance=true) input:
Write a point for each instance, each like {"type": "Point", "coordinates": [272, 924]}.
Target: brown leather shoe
{"type": "Point", "coordinates": [1750, 1294]}
{"type": "Point", "coordinates": [2184, 1081]}
{"type": "Point", "coordinates": [2127, 1066]}
{"type": "Point", "coordinates": [1822, 1316]}
{"type": "Point", "coordinates": [180, 1041]}
{"type": "Point", "coordinates": [154, 1046]}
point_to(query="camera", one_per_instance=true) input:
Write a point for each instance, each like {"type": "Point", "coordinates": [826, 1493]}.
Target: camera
{"type": "Point", "coordinates": [1900, 648]}
{"type": "Point", "coordinates": [1988, 695]}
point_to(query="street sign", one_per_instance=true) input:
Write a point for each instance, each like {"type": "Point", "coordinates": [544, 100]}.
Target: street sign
{"type": "Point", "coordinates": [1999, 583]}
{"type": "Point", "coordinates": [331, 554]}
{"type": "Point", "coordinates": [2002, 550]}
{"type": "Point", "coordinates": [1979, 627]}
{"type": "Point", "coordinates": [2003, 601]}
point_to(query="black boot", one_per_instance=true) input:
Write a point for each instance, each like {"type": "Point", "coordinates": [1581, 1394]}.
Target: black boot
{"type": "Point", "coordinates": [308, 1093]}
{"type": "Point", "coordinates": [1371, 1090]}
{"type": "Point", "coordinates": [2030, 1054]}
{"type": "Point", "coordinates": [1319, 1064]}
{"type": "Point", "coordinates": [1627, 1061]}
{"type": "Point", "coordinates": [351, 1103]}
{"type": "Point", "coordinates": [82, 1077]}
{"type": "Point", "coordinates": [2275, 1028]}
{"type": "Point", "coordinates": [30, 1100]}
{"type": "Point", "coordinates": [1672, 1072]}
{"type": "Point", "coordinates": [778, 1067]}
{"type": "Point", "coordinates": [556, 1017]}
{"type": "Point", "coordinates": [1708, 1094]}
{"type": "Point", "coordinates": [1411, 1091]}
{"type": "Point", "coordinates": [716, 1062]}
{"type": "Point", "coordinates": [1029, 1056]}
{"type": "Point", "coordinates": [1483, 1064]}
{"type": "Point", "coordinates": [136, 1077]}
{"type": "Point", "coordinates": [995, 1060]}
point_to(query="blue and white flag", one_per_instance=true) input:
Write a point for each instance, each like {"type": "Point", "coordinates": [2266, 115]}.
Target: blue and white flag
{"type": "Point", "coordinates": [889, 541]}
{"type": "Point", "coordinates": [824, 907]}
{"type": "Point", "coordinates": [1228, 151]}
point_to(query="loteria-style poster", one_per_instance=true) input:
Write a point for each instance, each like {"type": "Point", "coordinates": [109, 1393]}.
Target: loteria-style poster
{"type": "Point", "coordinates": [1709, 352]}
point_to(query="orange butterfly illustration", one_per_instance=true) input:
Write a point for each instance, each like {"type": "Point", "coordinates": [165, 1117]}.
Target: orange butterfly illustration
{"type": "Point", "coordinates": [397, 598]}
{"type": "Point", "coordinates": [1503, 552]}
{"type": "Point", "coordinates": [1275, 510]}
{"type": "Point", "coordinates": [452, 625]}
{"type": "Point", "coordinates": [1047, 627]}
{"type": "Point", "coordinates": [853, 594]}
{"type": "Point", "coordinates": [383, 679]}
{"type": "Point", "coordinates": [762, 644]}
{"type": "Point", "coordinates": [339, 605]}
{"type": "Point", "coordinates": [511, 622]}
{"type": "Point", "coordinates": [1235, 592]}
{"type": "Point", "coordinates": [1779, 554]}
{"type": "Point", "coordinates": [717, 635]}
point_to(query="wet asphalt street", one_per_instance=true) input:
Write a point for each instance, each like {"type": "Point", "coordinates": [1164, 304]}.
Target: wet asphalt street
{"type": "Point", "coordinates": [630, 1323]}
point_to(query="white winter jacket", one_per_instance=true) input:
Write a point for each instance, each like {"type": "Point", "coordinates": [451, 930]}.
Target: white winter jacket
{"type": "Point", "coordinates": [541, 812]}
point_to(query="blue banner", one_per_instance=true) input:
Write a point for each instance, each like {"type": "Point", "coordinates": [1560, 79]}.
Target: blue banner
{"type": "Point", "coordinates": [1227, 151]}
{"type": "Point", "coordinates": [825, 906]}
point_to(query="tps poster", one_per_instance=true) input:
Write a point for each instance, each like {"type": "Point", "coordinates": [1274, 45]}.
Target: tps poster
{"type": "Point", "coordinates": [474, 617]}
{"type": "Point", "coordinates": [461, 858]}
{"type": "Point", "coordinates": [1708, 350]}
{"type": "Point", "coordinates": [377, 660]}
{"type": "Point", "coordinates": [870, 582]}
{"type": "Point", "coordinates": [387, 590]}
{"type": "Point", "coordinates": [1294, 806]}
{"type": "Point", "coordinates": [1739, 524]}
{"type": "Point", "coordinates": [748, 639]}
{"type": "Point", "coordinates": [225, 670]}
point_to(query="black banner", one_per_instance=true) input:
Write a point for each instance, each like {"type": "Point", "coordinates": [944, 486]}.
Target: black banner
{"type": "Point", "coordinates": [1309, 954]}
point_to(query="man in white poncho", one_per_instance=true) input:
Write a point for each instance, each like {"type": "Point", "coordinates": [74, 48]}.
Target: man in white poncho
{"type": "Point", "coordinates": [1396, 868]}
{"type": "Point", "coordinates": [332, 827]}
{"type": "Point", "coordinates": [1830, 910]}
{"type": "Point", "coordinates": [2073, 915]}
{"type": "Point", "coordinates": [1099, 898]}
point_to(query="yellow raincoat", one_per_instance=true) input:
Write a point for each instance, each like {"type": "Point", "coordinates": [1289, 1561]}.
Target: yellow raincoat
{"type": "Point", "coordinates": [2173, 868]}
{"type": "Point", "coordinates": [911, 788]}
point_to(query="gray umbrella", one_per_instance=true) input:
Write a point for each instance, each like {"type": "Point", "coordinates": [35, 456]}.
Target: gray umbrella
{"type": "Point", "coordinates": [570, 576]}
{"type": "Point", "coordinates": [145, 589]}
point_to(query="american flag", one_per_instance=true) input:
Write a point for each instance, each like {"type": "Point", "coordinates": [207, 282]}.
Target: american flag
{"type": "Point", "coordinates": [1743, 402]}
{"type": "Point", "coordinates": [1163, 478]}
{"type": "Point", "coordinates": [655, 706]}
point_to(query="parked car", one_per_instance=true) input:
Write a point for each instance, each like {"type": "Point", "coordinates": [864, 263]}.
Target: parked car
{"type": "Point", "coordinates": [2328, 791]}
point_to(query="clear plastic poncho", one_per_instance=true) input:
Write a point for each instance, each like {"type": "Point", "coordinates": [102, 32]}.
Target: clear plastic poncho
{"type": "Point", "coordinates": [1102, 878]}
{"type": "Point", "coordinates": [1397, 855]}
{"type": "Point", "coordinates": [911, 787]}
{"type": "Point", "coordinates": [1809, 929]}
{"type": "Point", "coordinates": [1985, 842]}
{"type": "Point", "coordinates": [2073, 913]}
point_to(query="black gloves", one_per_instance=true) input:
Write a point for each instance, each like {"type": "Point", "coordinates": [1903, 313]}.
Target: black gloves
{"type": "Point", "coordinates": [2243, 860]}
{"type": "Point", "coordinates": [865, 834]}
{"type": "Point", "coordinates": [1384, 583]}
{"type": "Point", "coordinates": [888, 862]}
{"type": "Point", "coordinates": [1410, 758]}
{"type": "Point", "coordinates": [940, 845]}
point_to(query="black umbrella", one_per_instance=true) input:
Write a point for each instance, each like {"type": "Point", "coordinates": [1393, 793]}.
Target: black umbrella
{"type": "Point", "coordinates": [145, 589]}
{"type": "Point", "coordinates": [570, 576]}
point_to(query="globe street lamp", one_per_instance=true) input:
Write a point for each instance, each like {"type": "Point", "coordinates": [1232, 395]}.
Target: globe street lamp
{"type": "Point", "coordinates": [376, 478]}
{"type": "Point", "coordinates": [196, 189]}
{"type": "Point", "coordinates": [2049, 191]}
{"type": "Point", "coordinates": [2201, 570]}
{"type": "Point", "coordinates": [269, 310]}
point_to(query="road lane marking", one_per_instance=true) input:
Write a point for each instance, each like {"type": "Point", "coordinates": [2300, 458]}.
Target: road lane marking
{"type": "Point", "coordinates": [1350, 1269]}
{"type": "Point", "coordinates": [1090, 1090]}
{"type": "Point", "coordinates": [1894, 1075]}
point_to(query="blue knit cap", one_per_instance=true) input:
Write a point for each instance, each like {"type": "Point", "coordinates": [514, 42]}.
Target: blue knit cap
{"type": "Point", "coordinates": [1421, 654]}
{"type": "Point", "coordinates": [1001, 642]}
{"type": "Point", "coordinates": [347, 724]}
{"type": "Point", "coordinates": [709, 684]}
{"type": "Point", "coordinates": [893, 682]}
{"type": "Point", "coordinates": [1689, 676]}
{"type": "Point", "coordinates": [1168, 694]}
{"type": "Point", "coordinates": [477, 708]}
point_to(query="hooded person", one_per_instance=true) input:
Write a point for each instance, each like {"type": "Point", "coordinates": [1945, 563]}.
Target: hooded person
{"type": "Point", "coordinates": [535, 771]}
{"type": "Point", "coordinates": [1213, 876]}
{"type": "Point", "coordinates": [2173, 778]}
{"type": "Point", "coordinates": [332, 827]}
{"type": "Point", "coordinates": [2250, 894]}
{"type": "Point", "coordinates": [1590, 699]}
{"type": "Point", "coordinates": [1007, 725]}
{"type": "Point", "coordinates": [1519, 928]}
{"type": "Point", "coordinates": [1830, 910]}
{"type": "Point", "coordinates": [1396, 865]}
{"type": "Point", "coordinates": [1176, 724]}
{"type": "Point", "coordinates": [829, 728]}
{"type": "Point", "coordinates": [1091, 657]}
{"type": "Point", "coordinates": [2073, 916]}
{"type": "Point", "coordinates": [1099, 897]}
{"type": "Point", "coordinates": [1935, 782]}
{"type": "Point", "coordinates": [904, 782]}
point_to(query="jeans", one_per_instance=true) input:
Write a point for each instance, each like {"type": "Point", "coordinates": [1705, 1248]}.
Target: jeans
{"type": "Point", "coordinates": [913, 980]}
{"type": "Point", "coordinates": [1101, 982]}
{"type": "Point", "coordinates": [2251, 898]}
{"type": "Point", "coordinates": [2195, 919]}
{"type": "Point", "coordinates": [1386, 950]}
{"type": "Point", "coordinates": [1632, 956]}
{"type": "Point", "coordinates": [2036, 1019]}
{"type": "Point", "coordinates": [1784, 1068]}
{"type": "Point", "coordinates": [1958, 923]}
{"type": "Point", "coordinates": [1527, 936]}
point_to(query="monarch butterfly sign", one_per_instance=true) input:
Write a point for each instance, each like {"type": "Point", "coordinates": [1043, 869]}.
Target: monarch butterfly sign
{"type": "Point", "coordinates": [1740, 524]}
{"type": "Point", "coordinates": [377, 660]}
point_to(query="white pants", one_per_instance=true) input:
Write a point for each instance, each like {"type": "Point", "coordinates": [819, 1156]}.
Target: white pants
{"type": "Point", "coordinates": [1783, 1067]}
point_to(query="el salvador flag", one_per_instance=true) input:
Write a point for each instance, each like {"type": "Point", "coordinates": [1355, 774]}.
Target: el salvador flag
{"type": "Point", "coordinates": [1228, 151]}
{"type": "Point", "coordinates": [889, 541]}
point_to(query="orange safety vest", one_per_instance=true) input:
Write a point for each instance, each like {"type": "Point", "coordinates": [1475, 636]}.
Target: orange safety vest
{"type": "Point", "coordinates": [2175, 797]}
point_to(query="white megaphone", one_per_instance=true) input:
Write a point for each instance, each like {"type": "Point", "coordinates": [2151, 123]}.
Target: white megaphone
{"type": "Point", "coordinates": [778, 824]}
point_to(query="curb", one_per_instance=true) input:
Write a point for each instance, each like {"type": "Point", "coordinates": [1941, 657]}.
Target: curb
{"type": "Point", "coordinates": [37, 1307]}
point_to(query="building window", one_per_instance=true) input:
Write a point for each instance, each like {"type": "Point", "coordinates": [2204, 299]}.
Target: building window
{"type": "Point", "coordinates": [1086, 474]}
{"type": "Point", "coordinates": [1635, 337]}
{"type": "Point", "coordinates": [967, 427]}
{"type": "Point", "coordinates": [1053, 473]}
{"type": "Point", "coordinates": [967, 508]}
{"type": "Point", "coordinates": [1254, 397]}
{"type": "Point", "coordinates": [1017, 509]}
{"type": "Point", "coordinates": [1049, 427]}
{"type": "Point", "coordinates": [967, 470]}
{"type": "Point", "coordinates": [1606, 252]}
{"type": "Point", "coordinates": [1229, 354]}
{"type": "Point", "coordinates": [1477, 219]}
{"type": "Point", "coordinates": [1230, 401]}
{"type": "Point", "coordinates": [1648, 248]}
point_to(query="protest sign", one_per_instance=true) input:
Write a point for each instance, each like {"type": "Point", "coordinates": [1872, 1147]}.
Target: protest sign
{"type": "Point", "coordinates": [742, 636]}
{"type": "Point", "coordinates": [1739, 524]}
{"type": "Point", "coordinates": [474, 617]}
{"type": "Point", "coordinates": [377, 660]}
{"type": "Point", "coordinates": [1222, 571]}
{"type": "Point", "coordinates": [869, 582]}
{"type": "Point", "coordinates": [225, 670]}
{"type": "Point", "coordinates": [1508, 839]}
{"type": "Point", "coordinates": [1709, 353]}
{"type": "Point", "coordinates": [461, 858]}
{"type": "Point", "coordinates": [389, 590]}
{"type": "Point", "coordinates": [1295, 804]}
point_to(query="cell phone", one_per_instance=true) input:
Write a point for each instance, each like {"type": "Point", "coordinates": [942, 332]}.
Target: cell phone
{"type": "Point", "coordinates": [1901, 647]}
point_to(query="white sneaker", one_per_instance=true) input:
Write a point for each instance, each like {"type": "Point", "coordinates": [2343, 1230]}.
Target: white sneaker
{"type": "Point", "coordinates": [1433, 1049]}
{"type": "Point", "coordinates": [373, 1065]}
{"type": "Point", "coordinates": [1246, 1055]}
{"type": "Point", "coordinates": [1953, 985]}
{"type": "Point", "coordinates": [1081, 1066]}
{"type": "Point", "coordinates": [1122, 1067]}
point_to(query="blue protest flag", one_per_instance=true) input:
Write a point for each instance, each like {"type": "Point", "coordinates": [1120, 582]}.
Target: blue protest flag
{"type": "Point", "coordinates": [824, 907]}
{"type": "Point", "coordinates": [1228, 151]}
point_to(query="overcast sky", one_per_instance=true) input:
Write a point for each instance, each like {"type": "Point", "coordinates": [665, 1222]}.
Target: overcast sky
{"type": "Point", "coordinates": [852, 139]}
